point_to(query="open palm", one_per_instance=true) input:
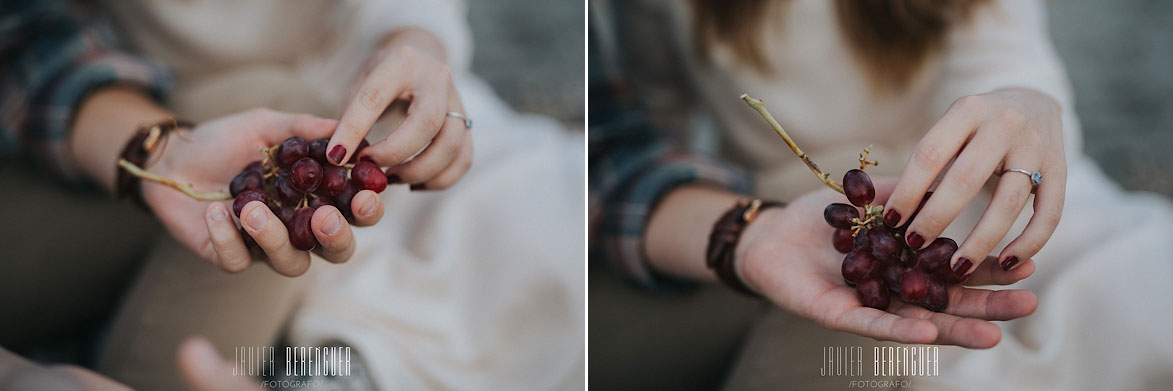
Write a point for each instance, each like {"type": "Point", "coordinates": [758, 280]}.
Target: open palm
{"type": "Point", "coordinates": [788, 257]}
{"type": "Point", "coordinates": [207, 158]}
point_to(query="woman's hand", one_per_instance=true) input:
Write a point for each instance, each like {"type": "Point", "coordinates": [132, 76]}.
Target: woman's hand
{"type": "Point", "coordinates": [787, 256]}
{"type": "Point", "coordinates": [208, 157]}
{"type": "Point", "coordinates": [986, 134]}
{"type": "Point", "coordinates": [430, 149]}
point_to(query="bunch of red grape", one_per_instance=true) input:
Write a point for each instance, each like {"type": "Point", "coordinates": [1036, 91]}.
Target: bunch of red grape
{"type": "Point", "coordinates": [294, 179]}
{"type": "Point", "coordinates": [878, 260]}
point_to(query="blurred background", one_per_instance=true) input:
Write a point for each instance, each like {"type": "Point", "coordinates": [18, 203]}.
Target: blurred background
{"type": "Point", "coordinates": [1119, 56]}
{"type": "Point", "coordinates": [546, 36]}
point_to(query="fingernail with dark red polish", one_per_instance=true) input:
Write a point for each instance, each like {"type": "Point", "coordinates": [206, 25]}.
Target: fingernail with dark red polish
{"type": "Point", "coordinates": [962, 266]}
{"type": "Point", "coordinates": [1009, 263]}
{"type": "Point", "coordinates": [337, 154]}
{"type": "Point", "coordinates": [915, 240]}
{"type": "Point", "coordinates": [419, 186]}
{"type": "Point", "coordinates": [394, 179]}
{"type": "Point", "coordinates": [892, 217]}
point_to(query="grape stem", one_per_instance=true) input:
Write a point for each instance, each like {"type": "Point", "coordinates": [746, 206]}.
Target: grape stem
{"type": "Point", "coordinates": [186, 189]}
{"type": "Point", "coordinates": [760, 107]}
{"type": "Point", "coordinates": [863, 159]}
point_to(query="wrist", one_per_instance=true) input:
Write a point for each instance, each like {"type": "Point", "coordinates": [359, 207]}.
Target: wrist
{"type": "Point", "coordinates": [104, 122]}
{"type": "Point", "coordinates": [754, 233]}
{"type": "Point", "coordinates": [677, 231]}
{"type": "Point", "coordinates": [728, 235]}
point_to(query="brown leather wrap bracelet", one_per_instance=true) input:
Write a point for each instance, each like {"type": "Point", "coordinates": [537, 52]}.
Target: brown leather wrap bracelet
{"type": "Point", "coordinates": [723, 240]}
{"type": "Point", "coordinates": [138, 150]}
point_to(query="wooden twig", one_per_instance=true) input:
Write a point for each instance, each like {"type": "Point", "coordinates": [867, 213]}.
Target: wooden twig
{"type": "Point", "coordinates": [760, 107]}
{"type": "Point", "coordinates": [186, 189]}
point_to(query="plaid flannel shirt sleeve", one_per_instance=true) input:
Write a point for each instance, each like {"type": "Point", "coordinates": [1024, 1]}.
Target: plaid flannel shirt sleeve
{"type": "Point", "coordinates": [631, 167]}
{"type": "Point", "coordinates": [49, 63]}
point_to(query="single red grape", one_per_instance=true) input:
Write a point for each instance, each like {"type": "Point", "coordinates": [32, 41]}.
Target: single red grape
{"type": "Point", "coordinates": [842, 240]}
{"type": "Point", "coordinates": [914, 284]}
{"type": "Point", "coordinates": [858, 265]}
{"type": "Point", "coordinates": [248, 196]}
{"type": "Point", "coordinates": [333, 180]}
{"type": "Point", "coordinates": [291, 150]}
{"type": "Point", "coordinates": [937, 255]}
{"type": "Point", "coordinates": [858, 188]}
{"type": "Point", "coordinates": [320, 201]}
{"type": "Point", "coordinates": [285, 192]}
{"type": "Point", "coordinates": [255, 166]}
{"type": "Point", "coordinates": [936, 296]}
{"type": "Point", "coordinates": [286, 215]}
{"type": "Point", "coordinates": [839, 215]}
{"type": "Point", "coordinates": [873, 293]}
{"type": "Point", "coordinates": [891, 273]}
{"type": "Point", "coordinates": [306, 175]}
{"type": "Point", "coordinates": [300, 233]}
{"type": "Point", "coordinates": [247, 180]}
{"type": "Point", "coordinates": [342, 201]}
{"type": "Point", "coordinates": [861, 239]}
{"type": "Point", "coordinates": [318, 150]}
{"type": "Point", "coordinates": [885, 245]}
{"type": "Point", "coordinates": [367, 176]}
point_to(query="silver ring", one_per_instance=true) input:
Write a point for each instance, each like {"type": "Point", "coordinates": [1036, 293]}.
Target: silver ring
{"type": "Point", "coordinates": [467, 122]}
{"type": "Point", "coordinates": [1035, 177]}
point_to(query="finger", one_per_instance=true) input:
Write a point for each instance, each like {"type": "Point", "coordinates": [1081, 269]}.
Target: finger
{"type": "Point", "coordinates": [231, 254]}
{"type": "Point", "coordinates": [425, 117]}
{"type": "Point", "coordinates": [1048, 206]}
{"type": "Point", "coordinates": [367, 208]}
{"type": "Point", "coordinates": [377, 91]}
{"type": "Point", "coordinates": [276, 126]}
{"type": "Point", "coordinates": [954, 330]}
{"type": "Point", "coordinates": [452, 173]}
{"type": "Point", "coordinates": [1009, 198]}
{"type": "Point", "coordinates": [991, 305]}
{"type": "Point", "coordinates": [311, 127]}
{"type": "Point", "coordinates": [437, 157]}
{"type": "Point", "coordinates": [333, 233]}
{"type": "Point", "coordinates": [272, 237]}
{"type": "Point", "coordinates": [934, 151]}
{"type": "Point", "coordinates": [990, 273]}
{"type": "Point", "coordinates": [962, 182]}
{"type": "Point", "coordinates": [203, 369]}
{"type": "Point", "coordinates": [874, 323]}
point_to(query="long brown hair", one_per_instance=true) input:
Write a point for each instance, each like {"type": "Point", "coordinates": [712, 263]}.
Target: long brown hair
{"type": "Point", "coordinates": [892, 39]}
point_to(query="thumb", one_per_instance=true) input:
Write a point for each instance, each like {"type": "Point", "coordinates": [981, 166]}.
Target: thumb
{"type": "Point", "coordinates": [203, 369]}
